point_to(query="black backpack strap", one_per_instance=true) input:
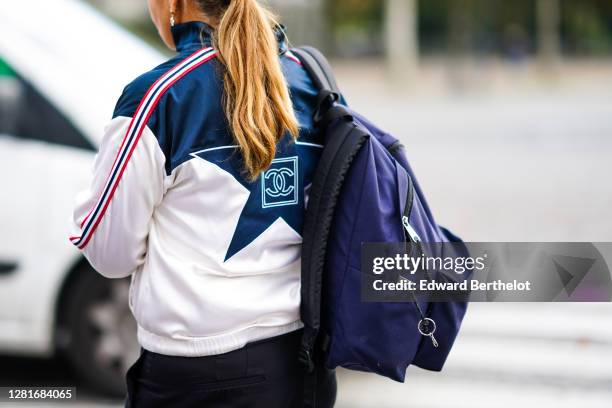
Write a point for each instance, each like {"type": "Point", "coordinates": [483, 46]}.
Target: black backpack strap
{"type": "Point", "coordinates": [333, 166]}
{"type": "Point", "coordinates": [312, 249]}
{"type": "Point", "coordinates": [336, 158]}
{"type": "Point", "coordinates": [321, 74]}
{"type": "Point", "coordinates": [317, 67]}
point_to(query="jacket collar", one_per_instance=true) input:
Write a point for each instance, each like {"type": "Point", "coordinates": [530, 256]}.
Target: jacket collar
{"type": "Point", "coordinates": [198, 34]}
{"type": "Point", "coordinates": [192, 34]}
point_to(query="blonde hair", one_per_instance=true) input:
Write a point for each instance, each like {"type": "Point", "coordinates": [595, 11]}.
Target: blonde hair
{"type": "Point", "coordinates": [257, 102]}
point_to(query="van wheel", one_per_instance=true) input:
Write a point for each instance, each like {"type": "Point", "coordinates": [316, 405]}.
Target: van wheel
{"type": "Point", "coordinates": [100, 332]}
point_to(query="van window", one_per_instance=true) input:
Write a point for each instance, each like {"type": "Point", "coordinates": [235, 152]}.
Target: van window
{"type": "Point", "coordinates": [25, 113]}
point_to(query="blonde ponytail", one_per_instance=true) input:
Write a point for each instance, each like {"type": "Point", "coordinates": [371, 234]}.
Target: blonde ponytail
{"type": "Point", "coordinates": [257, 103]}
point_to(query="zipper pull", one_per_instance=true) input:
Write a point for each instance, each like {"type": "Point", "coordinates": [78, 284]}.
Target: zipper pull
{"type": "Point", "coordinates": [413, 234]}
{"type": "Point", "coordinates": [427, 328]}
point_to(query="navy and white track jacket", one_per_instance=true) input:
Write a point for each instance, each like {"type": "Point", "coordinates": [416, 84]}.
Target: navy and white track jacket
{"type": "Point", "coordinates": [214, 258]}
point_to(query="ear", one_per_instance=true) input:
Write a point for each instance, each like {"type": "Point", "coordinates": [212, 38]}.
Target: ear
{"type": "Point", "coordinates": [173, 5]}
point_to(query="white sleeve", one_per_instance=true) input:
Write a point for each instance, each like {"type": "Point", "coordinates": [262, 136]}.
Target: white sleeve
{"type": "Point", "coordinates": [111, 218]}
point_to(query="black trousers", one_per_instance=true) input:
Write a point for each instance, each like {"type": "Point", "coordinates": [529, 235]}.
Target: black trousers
{"type": "Point", "coordinates": [264, 373]}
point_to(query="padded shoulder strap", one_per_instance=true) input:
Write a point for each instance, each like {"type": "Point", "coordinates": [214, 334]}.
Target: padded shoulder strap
{"type": "Point", "coordinates": [322, 76]}
{"type": "Point", "coordinates": [318, 68]}
{"type": "Point", "coordinates": [338, 154]}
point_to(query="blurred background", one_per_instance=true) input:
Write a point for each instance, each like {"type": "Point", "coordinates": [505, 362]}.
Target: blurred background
{"type": "Point", "coordinates": [505, 108]}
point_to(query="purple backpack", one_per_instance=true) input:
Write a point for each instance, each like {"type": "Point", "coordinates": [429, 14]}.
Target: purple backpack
{"type": "Point", "coordinates": [364, 191]}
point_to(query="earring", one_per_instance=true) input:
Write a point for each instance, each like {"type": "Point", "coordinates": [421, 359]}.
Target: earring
{"type": "Point", "coordinates": [172, 21]}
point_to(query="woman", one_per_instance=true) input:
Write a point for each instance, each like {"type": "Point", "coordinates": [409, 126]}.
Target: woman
{"type": "Point", "coordinates": [198, 194]}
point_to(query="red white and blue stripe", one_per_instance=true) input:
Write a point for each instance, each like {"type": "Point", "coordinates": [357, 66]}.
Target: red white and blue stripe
{"type": "Point", "coordinates": [293, 57]}
{"type": "Point", "coordinates": [138, 123]}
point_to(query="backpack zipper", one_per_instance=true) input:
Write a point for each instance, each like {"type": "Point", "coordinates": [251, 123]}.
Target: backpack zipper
{"type": "Point", "coordinates": [407, 210]}
{"type": "Point", "coordinates": [426, 325]}
{"type": "Point", "coordinates": [411, 232]}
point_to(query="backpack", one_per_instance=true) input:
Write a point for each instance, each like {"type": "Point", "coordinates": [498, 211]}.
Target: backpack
{"type": "Point", "coordinates": [364, 190]}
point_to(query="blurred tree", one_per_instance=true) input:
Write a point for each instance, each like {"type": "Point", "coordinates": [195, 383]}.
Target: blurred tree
{"type": "Point", "coordinates": [460, 31]}
{"type": "Point", "coordinates": [587, 26]}
{"type": "Point", "coordinates": [433, 25]}
{"type": "Point", "coordinates": [357, 26]}
{"type": "Point", "coordinates": [476, 26]}
{"type": "Point", "coordinates": [549, 30]}
{"type": "Point", "coordinates": [514, 29]}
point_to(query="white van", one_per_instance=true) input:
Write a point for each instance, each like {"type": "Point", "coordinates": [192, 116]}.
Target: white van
{"type": "Point", "coordinates": [62, 68]}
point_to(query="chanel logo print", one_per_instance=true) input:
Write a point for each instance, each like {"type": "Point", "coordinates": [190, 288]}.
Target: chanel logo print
{"type": "Point", "coordinates": [278, 178]}
{"type": "Point", "coordinates": [279, 184]}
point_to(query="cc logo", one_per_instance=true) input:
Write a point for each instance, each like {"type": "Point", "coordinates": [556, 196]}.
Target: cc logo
{"type": "Point", "coordinates": [280, 183]}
